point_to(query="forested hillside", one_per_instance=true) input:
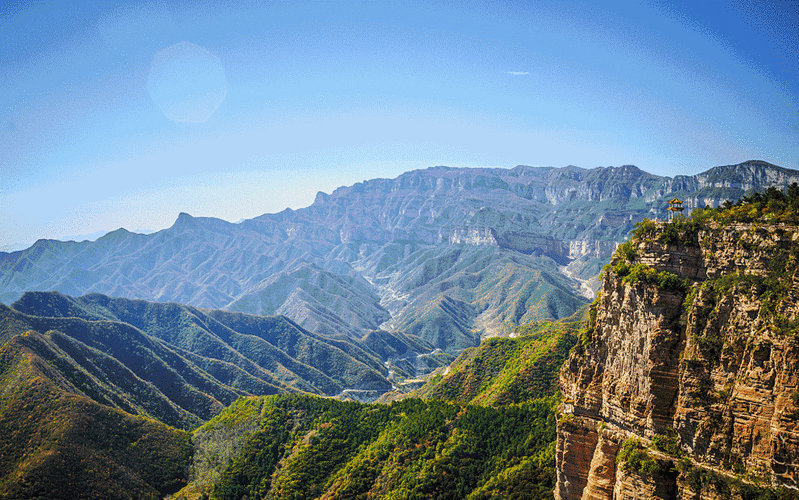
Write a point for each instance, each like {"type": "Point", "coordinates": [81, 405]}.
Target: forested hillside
{"type": "Point", "coordinates": [59, 444]}
{"type": "Point", "coordinates": [99, 393]}
{"type": "Point", "coordinates": [200, 361]}
{"type": "Point", "coordinates": [305, 447]}
{"type": "Point", "coordinates": [509, 370]}
{"type": "Point", "coordinates": [484, 430]}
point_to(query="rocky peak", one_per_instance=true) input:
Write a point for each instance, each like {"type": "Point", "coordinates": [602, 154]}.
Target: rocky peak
{"type": "Point", "coordinates": [183, 220]}
{"type": "Point", "coordinates": [752, 175]}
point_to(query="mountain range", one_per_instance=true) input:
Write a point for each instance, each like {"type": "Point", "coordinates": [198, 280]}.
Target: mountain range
{"type": "Point", "coordinates": [449, 255]}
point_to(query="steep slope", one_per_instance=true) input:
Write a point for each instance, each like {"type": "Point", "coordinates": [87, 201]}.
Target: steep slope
{"type": "Point", "coordinates": [375, 254]}
{"type": "Point", "coordinates": [685, 383]}
{"type": "Point", "coordinates": [56, 443]}
{"type": "Point", "coordinates": [292, 446]}
{"type": "Point", "coordinates": [140, 367]}
{"type": "Point", "coordinates": [508, 370]}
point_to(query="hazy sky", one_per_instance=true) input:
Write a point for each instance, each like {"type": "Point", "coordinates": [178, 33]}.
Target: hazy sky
{"type": "Point", "coordinates": [123, 114]}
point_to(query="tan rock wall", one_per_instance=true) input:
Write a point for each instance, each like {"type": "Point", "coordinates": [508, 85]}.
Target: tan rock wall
{"type": "Point", "coordinates": [574, 453]}
{"type": "Point", "coordinates": [602, 471]}
{"type": "Point", "coordinates": [717, 373]}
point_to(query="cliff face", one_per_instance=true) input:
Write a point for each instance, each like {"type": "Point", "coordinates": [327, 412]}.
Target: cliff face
{"type": "Point", "coordinates": [686, 385]}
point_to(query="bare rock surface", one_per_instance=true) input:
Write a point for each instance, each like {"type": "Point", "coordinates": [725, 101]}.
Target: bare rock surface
{"type": "Point", "coordinates": [710, 368]}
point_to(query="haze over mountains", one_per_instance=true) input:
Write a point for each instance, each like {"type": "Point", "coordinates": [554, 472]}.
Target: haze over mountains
{"type": "Point", "coordinates": [445, 254]}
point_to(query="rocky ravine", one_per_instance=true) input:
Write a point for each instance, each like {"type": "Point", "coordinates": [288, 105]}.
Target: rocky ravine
{"type": "Point", "coordinates": [691, 392]}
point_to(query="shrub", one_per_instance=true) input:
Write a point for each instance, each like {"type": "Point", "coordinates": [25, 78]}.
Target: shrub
{"type": "Point", "coordinates": [641, 273]}
{"type": "Point", "coordinates": [668, 443]}
{"type": "Point", "coordinates": [634, 458]}
{"type": "Point", "coordinates": [627, 251]}
{"type": "Point", "coordinates": [645, 229]}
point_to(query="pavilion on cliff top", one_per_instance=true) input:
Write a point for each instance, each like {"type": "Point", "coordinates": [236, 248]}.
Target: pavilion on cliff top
{"type": "Point", "coordinates": [675, 208]}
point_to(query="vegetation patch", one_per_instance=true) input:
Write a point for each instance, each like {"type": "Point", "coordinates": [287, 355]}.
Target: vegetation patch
{"type": "Point", "coordinates": [641, 273]}
{"type": "Point", "coordinates": [771, 206]}
{"type": "Point", "coordinates": [668, 444]}
{"type": "Point", "coordinates": [509, 370]}
{"type": "Point", "coordinates": [633, 457]}
{"type": "Point", "coordinates": [624, 263]}
{"type": "Point", "coordinates": [680, 231]}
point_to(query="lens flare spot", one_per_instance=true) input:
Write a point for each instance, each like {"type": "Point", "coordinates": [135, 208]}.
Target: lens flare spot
{"type": "Point", "coordinates": [187, 82]}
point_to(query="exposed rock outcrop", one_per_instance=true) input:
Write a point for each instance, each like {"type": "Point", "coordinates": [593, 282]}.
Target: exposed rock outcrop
{"type": "Point", "coordinates": [474, 236]}
{"type": "Point", "coordinates": [687, 388]}
{"type": "Point", "coordinates": [513, 240]}
{"type": "Point", "coordinates": [592, 248]}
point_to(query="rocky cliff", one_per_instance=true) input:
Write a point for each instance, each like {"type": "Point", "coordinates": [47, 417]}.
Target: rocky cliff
{"type": "Point", "coordinates": [686, 381]}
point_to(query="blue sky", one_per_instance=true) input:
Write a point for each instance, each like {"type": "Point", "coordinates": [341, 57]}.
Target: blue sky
{"type": "Point", "coordinates": [285, 99]}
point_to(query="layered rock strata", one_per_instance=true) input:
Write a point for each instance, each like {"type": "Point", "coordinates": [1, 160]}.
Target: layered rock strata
{"type": "Point", "coordinates": [688, 388]}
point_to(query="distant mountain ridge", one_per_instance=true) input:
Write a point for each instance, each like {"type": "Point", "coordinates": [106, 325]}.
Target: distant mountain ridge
{"type": "Point", "coordinates": [449, 254]}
